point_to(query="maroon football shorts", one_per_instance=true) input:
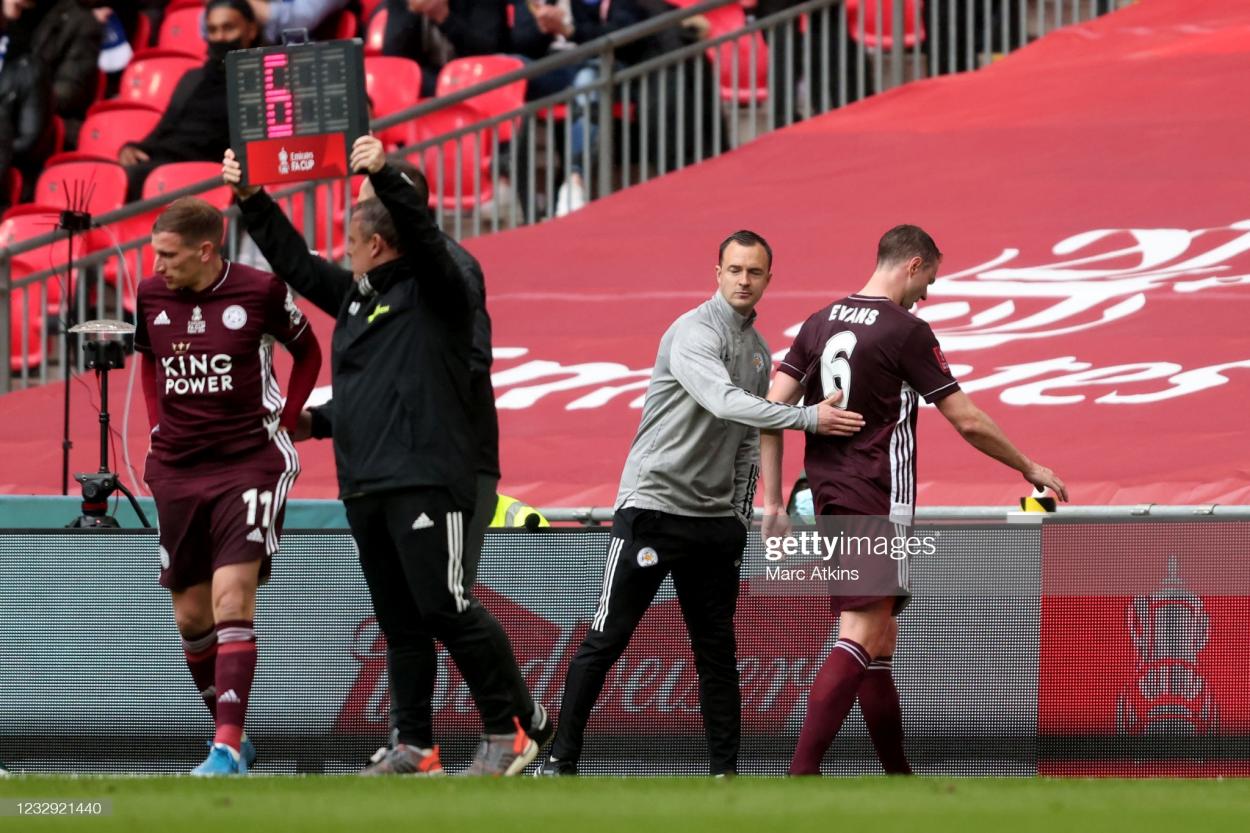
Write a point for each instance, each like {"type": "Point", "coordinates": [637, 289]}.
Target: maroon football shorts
{"type": "Point", "coordinates": [869, 572]}
{"type": "Point", "coordinates": [221, 512]}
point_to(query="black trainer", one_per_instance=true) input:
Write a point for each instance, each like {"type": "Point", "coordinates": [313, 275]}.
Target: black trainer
{"type": "Point", "coordinates": [551, 768]}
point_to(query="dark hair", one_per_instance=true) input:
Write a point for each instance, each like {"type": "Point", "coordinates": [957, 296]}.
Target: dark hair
{"type": "Point", "coordinates": [192, 219]}
{"type": "Point", "coordinates": [241, 6]}
{"type": "Point", "coordinates": [905, 242]}
{"type": "Point", "coordinates": [745, 238]}
{"type": "Point", "coordinates": [375, 219]}
{"type": "Point", "coordinates": [415, 176]}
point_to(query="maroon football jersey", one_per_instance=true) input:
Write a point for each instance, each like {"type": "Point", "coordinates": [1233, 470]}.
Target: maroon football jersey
{"type": "Point", "coordinates": [216, 392]}
{"type": "Point", "coordinates": [881, 357]}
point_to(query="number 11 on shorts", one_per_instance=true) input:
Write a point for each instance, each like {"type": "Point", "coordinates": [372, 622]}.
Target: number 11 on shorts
{"type": "Point", "coordinates": [251, 498]}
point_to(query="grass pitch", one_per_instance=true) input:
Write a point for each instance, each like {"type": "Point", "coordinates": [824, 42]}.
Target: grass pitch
{"type": "Point", "coordinates": [636, 805]}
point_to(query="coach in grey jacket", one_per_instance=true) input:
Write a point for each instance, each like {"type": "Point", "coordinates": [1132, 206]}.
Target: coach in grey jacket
{"type": "Point", "coordinates": [685, 500]}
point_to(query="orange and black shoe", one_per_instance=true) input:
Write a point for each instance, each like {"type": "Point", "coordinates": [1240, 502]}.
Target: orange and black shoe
{"type": "Point", "coordinates": [503, 755]}
{"type": "Point", "coordinates": [402, 759]}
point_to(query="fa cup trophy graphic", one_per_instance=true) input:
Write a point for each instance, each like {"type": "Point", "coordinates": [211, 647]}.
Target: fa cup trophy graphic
{"type": "Point", "coordinates": [1167, 697]}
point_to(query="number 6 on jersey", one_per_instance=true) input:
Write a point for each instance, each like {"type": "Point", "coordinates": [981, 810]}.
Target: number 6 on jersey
{"type": "Point", "coordinates": [835, 367]}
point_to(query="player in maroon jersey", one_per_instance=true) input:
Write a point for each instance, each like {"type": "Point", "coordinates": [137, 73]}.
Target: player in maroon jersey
{"type": "Point", "coordinates": [221, 462]}
{"type": "Point", "coordinates": [883, 359]}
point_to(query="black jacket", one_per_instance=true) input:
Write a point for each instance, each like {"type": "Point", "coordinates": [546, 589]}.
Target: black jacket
{"type": "Point", "coordinates": [68, 41]}
{"type": "Point", "coordinates": [412, 403]}
{"type": "Point", "coordinates": [195, 126]}
{"type": "Point", "coordinates": [25, 103]}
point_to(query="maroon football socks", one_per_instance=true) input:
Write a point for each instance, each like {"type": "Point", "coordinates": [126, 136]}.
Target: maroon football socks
{"type": "Point", "coordinates": [878, 700]}
{"type": "Point", "coordinates": [236, 667]}
{"type": "Point", "coordinates": [201, 654]}
{"type": "Point", "coordinates": [828, 703]}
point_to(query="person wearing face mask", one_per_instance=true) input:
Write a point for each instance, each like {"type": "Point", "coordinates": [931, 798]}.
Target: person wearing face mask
{"type": "Point", "coordinates": [196, 126]}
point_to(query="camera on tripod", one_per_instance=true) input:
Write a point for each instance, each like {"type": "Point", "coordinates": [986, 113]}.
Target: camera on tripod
{"type": "Point", "coordinates": [97, 487]}
{"type": "Point", "coordinates": [104, 348]}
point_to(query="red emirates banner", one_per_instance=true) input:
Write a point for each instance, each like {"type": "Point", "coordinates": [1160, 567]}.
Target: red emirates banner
{"type": "Point", "coordinates": [296, 158]}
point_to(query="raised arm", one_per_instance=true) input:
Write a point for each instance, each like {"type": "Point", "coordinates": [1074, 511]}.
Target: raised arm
{"type": "Point", "coordinates": [440, 281]}
{"type": "Point", "coordinates": [323, 283]}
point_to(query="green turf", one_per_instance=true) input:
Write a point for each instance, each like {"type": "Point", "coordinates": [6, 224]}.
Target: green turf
{"type": "Point", "coordinates": [453, 805]}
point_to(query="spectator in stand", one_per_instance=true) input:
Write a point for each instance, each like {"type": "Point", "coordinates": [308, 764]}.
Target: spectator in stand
{"type": "Point", "coordinates": [275, 16]}
{"type": "Point", "coordinates": [67, 39]}
{"type": "Point", "coordinates": [195, 127]}
{"type": "Point", "coordinates": [25, 100]}
{"type": "Point", "coordinates": [433, 32]}
{"type": "Point", "coordinates": [546, 28]}
{"type": "Point", "coordinates": [538, 29]}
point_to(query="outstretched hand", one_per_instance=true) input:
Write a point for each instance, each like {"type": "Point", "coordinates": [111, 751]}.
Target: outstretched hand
{"type": "Point", "coordinates": [834, 421]}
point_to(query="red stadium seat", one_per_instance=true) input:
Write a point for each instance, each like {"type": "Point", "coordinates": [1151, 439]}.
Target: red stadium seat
{"type": "Point", "coordinates": [166, 179]}
{"type": "Point", "coordinates": [175, 5]}
{"type": "Point", "coordinates": [110, 125]}
{"type": "Point", "coordinates": [913, 25]}
{"type": "Point", "coordinates": [474, 158]}
{"type": "Point", "coordinates": [375, 32]}
{"type": "Point", "coordinates": [393, 84]}
{"type": "Point", "coordinates": [22, 209]}
{"type": "Point", "coordinates": [151, 78]}
{"type": "Point", "coordinates": [467, 72]}
{"type": "Point", "coordinates": [26, 312]}
{"type": "Point", "coordinates": [742, 92]}
{"type": "Point", "coordinates": [100, 184]}
{"type": "Point", "coordinates": [181, 31]}
{"type": "Point", "coordinates": [27, 225]}
{"type": "Point", "coordinates": [728, 19]}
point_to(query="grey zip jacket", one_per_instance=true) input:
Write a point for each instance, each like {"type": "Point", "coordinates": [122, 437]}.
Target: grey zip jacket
{"type": "Point", "coordinates": [697, 450]}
